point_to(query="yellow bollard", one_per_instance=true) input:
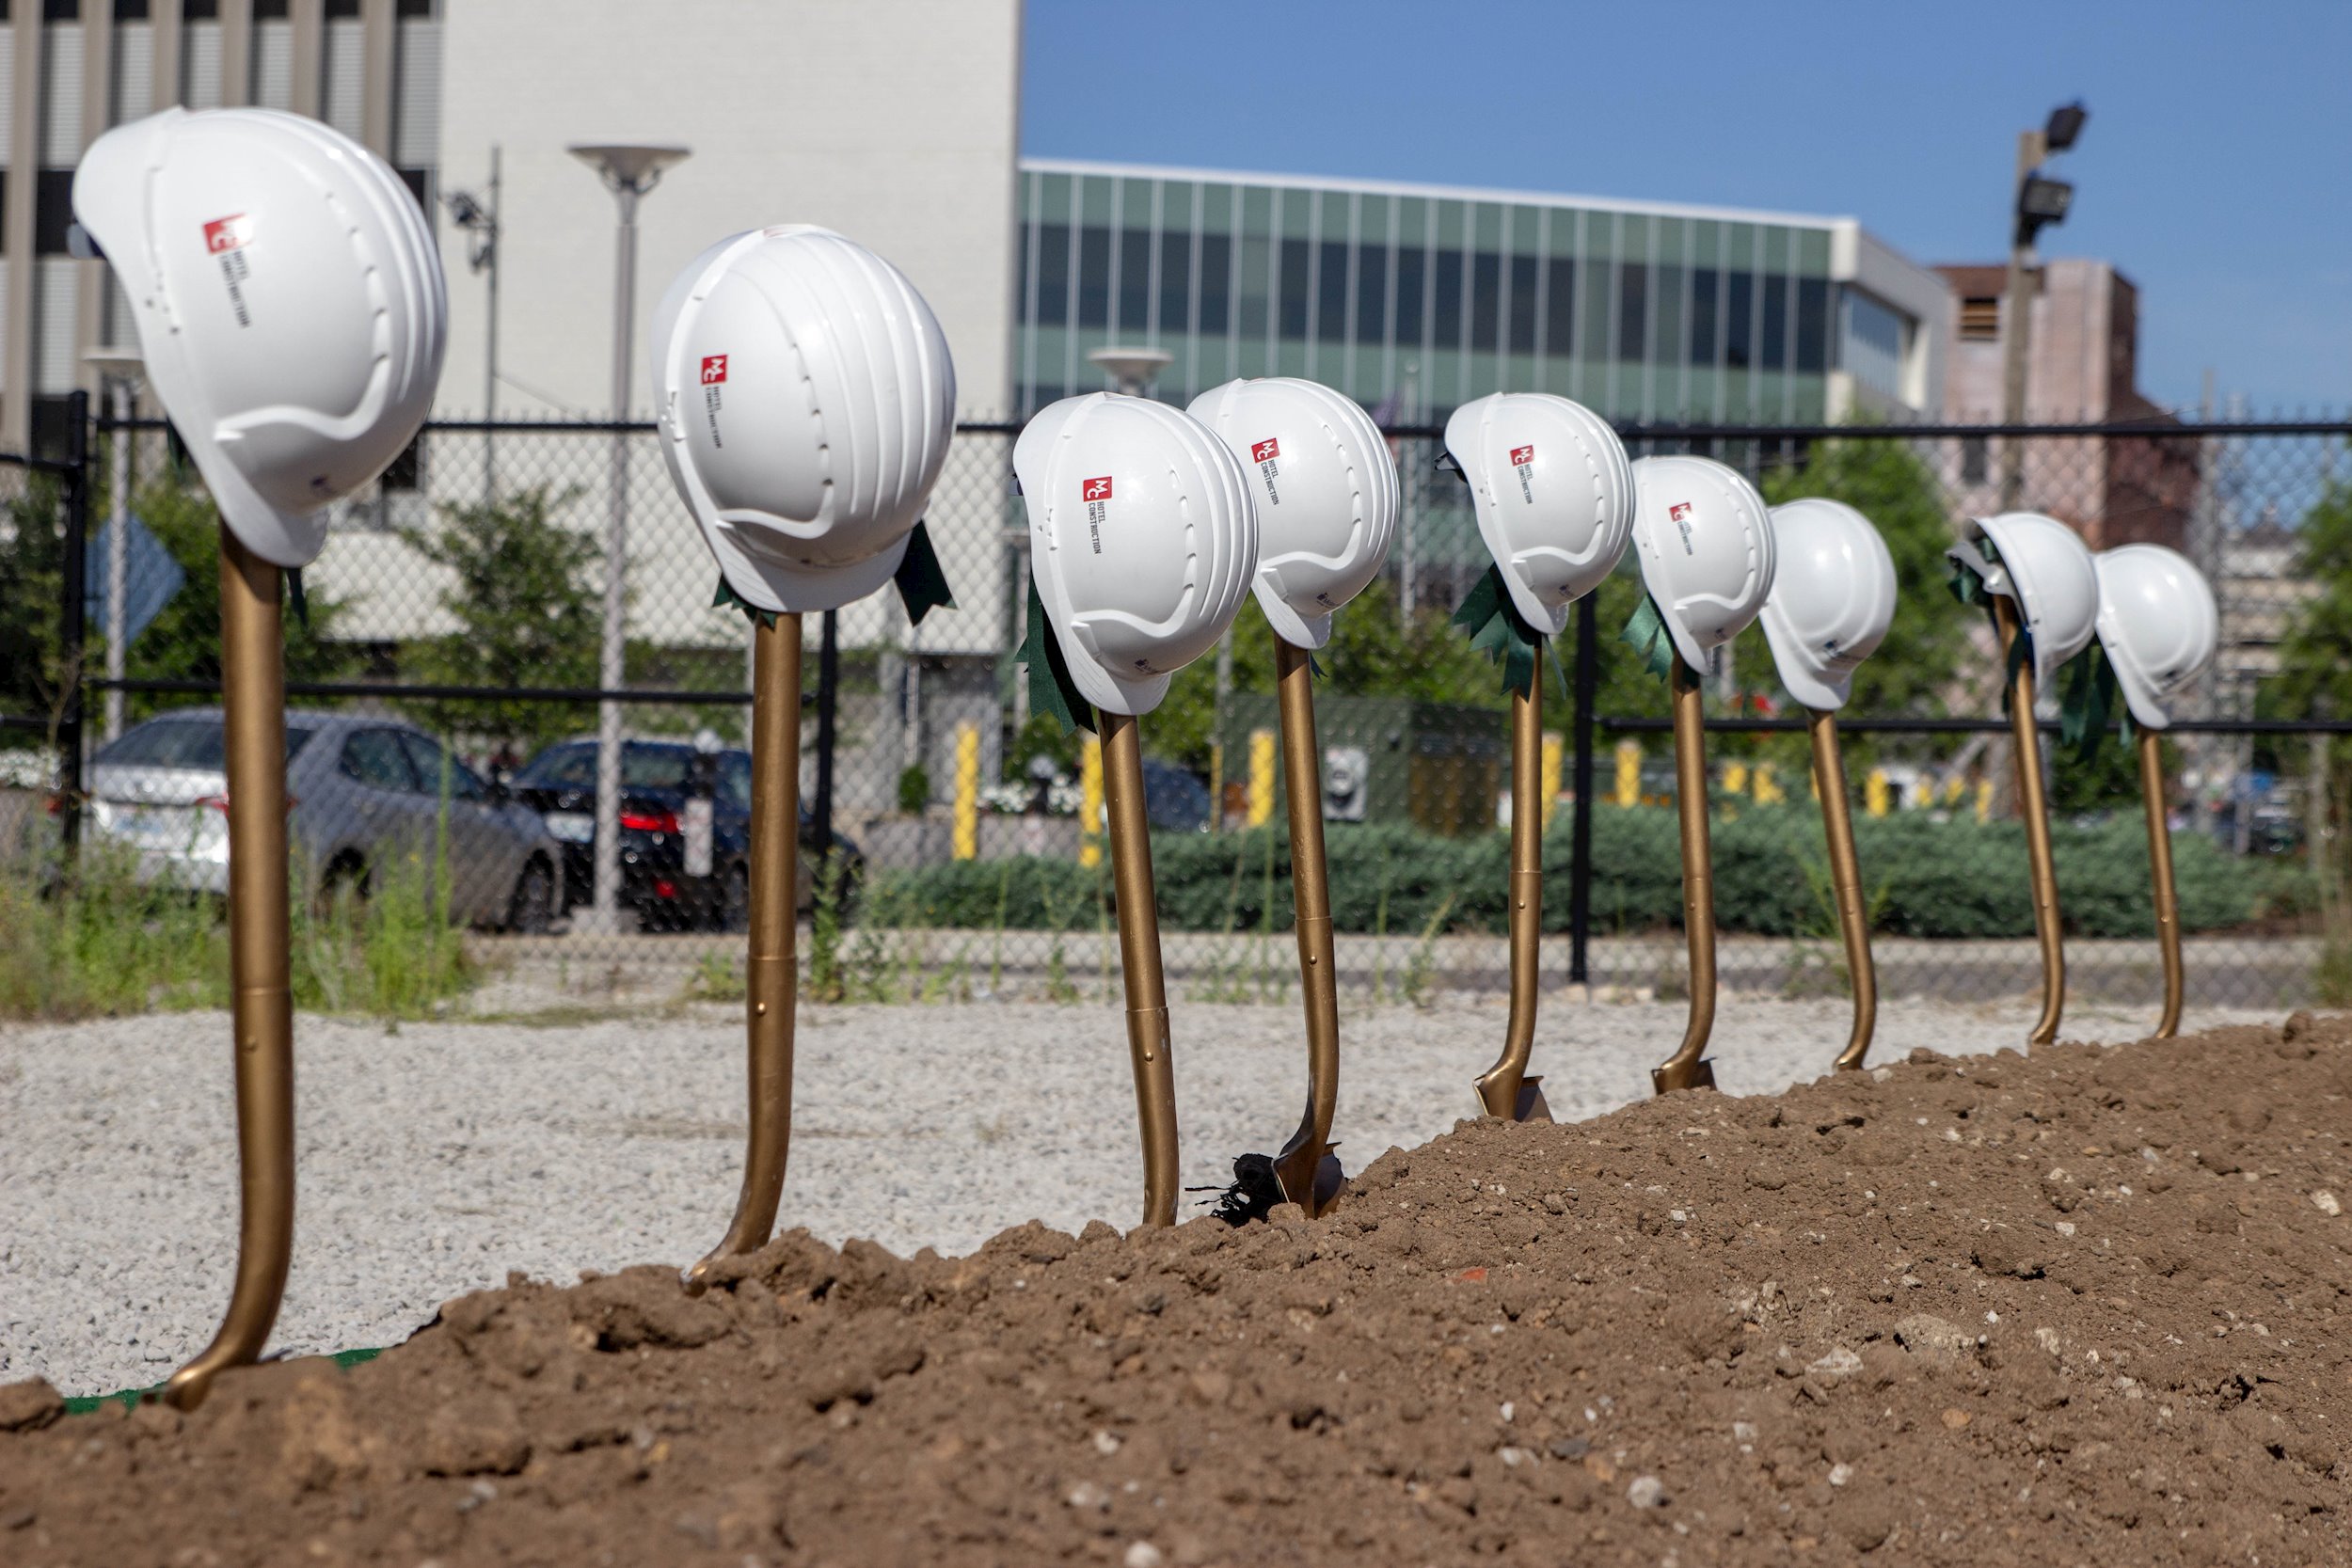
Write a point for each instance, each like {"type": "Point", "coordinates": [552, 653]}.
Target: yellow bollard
{"type": "Point", "coordinates": [1628, 790]}
{"type": "Point", "coordinates": [1090, 803]}
{"type": "Point", "coordinates": [1260, 777]}
{"type": "Point", "coordinates": [1984, 799]}
{"type": "Point", "coordinates": [967, 843]}
{"type": "Point", "coordinates": [1766, 789]}
{"type": "Point", "coordinates": [1735, 778]}
{"type": "Point", "coordinates": [1875, 794]}
{"type": "Point", "coordinates": [1554, 745]}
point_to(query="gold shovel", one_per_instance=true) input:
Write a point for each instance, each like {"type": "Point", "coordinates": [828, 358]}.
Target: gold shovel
{"type": "Point", "coordinates": [2033, 806]}
{"type": "Point", "coordinates": [771, 970]}
{"type": "Point", "coordinates": [1687, 1068]}
{"type": "Point", "coordinates": [1306, 1167]}
{"type": "Point", "coordinates": [1504, 1089]}
{"type": "Point", "coordinates": [253, 719]}
{"type": "Point", "coordinates": [1139, 962]}
{"type": "Point", "coordinates": [1845, 875]}
{"type": "Point", "coordinates": [2160, 871]}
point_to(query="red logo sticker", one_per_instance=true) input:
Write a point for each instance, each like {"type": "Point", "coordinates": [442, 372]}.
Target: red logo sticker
{"type": "Point", "coordinates": [1265, 450]}
{"type": "Point", "coordinates": [228, 234]}
{"type": "Point", "coordinates": [1522, 456]}
{"type": "Point", "coordinates": [1096, 489]}
{"type": "Point", "coordinates": [1677, 512]}
{"type": "Point", "coordinates": [714, 369]}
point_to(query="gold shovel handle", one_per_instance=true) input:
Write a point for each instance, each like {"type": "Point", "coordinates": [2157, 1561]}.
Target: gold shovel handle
{"type": "Point", "coordinates": [1301, 1164]}
{"type": "Point", "coordinates": [1148, 1042]}
{"type": "Point", "coordinates": [1845, 876]}
{"type": "Point", "coordinates": [2034, 806]}
{"type": "Point", "coordinates": [2167, 898]}
{"type": "Point", "coordinates": [1687, 1068]}
{"type": "Point", "coordinates": [1501, 1089]}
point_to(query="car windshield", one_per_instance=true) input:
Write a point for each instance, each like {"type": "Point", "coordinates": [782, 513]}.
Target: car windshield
{"type": "Point", "coordinates": [192, 743]}
{"type": "Point", "coordinates": [641, 768]}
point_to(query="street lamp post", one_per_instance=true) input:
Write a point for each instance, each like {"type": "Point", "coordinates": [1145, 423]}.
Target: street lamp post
{"type": "Point", "coordinates": [2039, 200]}
{"type": "Point", "coordinates": [121, 370]}
{"type": "Point", "coordinates": [479, 220]}
{"type": "Point", "coordinates": [629, 171]}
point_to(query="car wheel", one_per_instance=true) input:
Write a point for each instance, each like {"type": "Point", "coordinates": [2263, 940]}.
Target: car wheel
{"type": "Point", "coordinates": [533, 905]}
{"type": "Point", "coordinates": [731, 911]}
{"type": "Point", "coordinates": [346, 882]}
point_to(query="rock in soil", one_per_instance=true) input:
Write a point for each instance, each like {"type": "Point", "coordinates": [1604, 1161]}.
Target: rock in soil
{"type": "Point", "coordinates": [2079, 1306]}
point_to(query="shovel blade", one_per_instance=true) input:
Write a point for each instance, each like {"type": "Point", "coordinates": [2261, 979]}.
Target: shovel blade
{"type": "Point", "coordinates": [1679, 1075]}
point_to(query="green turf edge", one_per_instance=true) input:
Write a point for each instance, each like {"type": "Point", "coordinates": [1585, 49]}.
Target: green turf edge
{"type": "Point", "coordinates": [83, 1404]}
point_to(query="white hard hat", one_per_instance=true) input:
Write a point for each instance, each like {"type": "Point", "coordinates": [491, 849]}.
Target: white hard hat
{"type": "Point", "coordinates": [2158, 623]}
{"type": "Point", "coordinates": [1705, 546]}
{"type": "Point", "coordinates": [806, 400]}
{"type": "Point", "coordinates": [1142, 537]}
{"type": "Point", "coordinates": [1326, 492]}
{"type": "Point", "coordinates": [1833, 598]}
{"type": "Point", "coordinates": [1554, 494]}
{"type": "Point", "coordinates": [2046, 568]}
{"type": "Point", "coordinates": [289, 304]}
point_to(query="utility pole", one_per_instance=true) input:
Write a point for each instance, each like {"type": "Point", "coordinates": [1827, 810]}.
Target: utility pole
{"type": "Point", "coordinates": [2038, 200]}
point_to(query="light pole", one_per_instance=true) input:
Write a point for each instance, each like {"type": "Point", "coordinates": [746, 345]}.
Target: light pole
{"type": "Point", "coordinates": [480, 223]}
{"type": "Point", "coordinates": [629, 171]}
{"type": "Point", "coordinates": [121, 370]}
{"type": "Point", "coordinates": [2039, 200]}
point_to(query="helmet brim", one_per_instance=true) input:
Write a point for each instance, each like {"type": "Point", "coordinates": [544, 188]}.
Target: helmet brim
{"type": "Point", "coordinates": [1299, 632]}
{"type": "Point", "coordinates": [1809, 687]}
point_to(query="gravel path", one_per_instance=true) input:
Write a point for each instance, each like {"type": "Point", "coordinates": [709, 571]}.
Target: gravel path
{"type": "Point", "coordinates": [437, 1157]}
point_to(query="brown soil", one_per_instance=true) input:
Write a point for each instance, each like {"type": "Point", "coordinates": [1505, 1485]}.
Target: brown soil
{"type": "Point", "coordinates": [2086, 1307]}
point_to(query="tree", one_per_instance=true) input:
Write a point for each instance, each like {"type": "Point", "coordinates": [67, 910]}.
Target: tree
{"type": "Point", "coordinates": [2314, 678]}
{"type": "Point", "coordinates": [529, 612]}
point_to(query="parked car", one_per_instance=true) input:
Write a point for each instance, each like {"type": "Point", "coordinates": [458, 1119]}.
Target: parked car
{"type": "Point", "coordinates": [1175, 799]}
{"type": "Point", "coordinates": [362, 796]}
{"type": "Point", "coordinates": [657, 779]}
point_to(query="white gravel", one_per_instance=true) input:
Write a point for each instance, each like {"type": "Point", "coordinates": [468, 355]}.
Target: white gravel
{"type": "Point", "coordinates": [435, 1158]}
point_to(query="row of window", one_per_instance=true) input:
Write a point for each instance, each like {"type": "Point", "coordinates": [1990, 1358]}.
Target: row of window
{"type": "Point", "coordinates": [209, 10]}
{"type": "Point", "coordinates": [1331, 291]}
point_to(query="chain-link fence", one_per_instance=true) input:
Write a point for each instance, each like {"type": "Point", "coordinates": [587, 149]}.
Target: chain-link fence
{"type": "Point", "coordinates": [443, 676]}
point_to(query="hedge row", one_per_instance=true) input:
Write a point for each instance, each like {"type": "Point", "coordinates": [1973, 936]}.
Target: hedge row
{"type": "Point", "coordinates": [1924, 877]}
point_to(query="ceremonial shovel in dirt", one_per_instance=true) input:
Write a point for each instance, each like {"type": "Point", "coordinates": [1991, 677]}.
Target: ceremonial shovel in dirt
{"type": "Point", "coordinates": [2024, 559]}
{"type": "Point", "coordinates": [1326, 491]}
{"type": "Point", "coordinates": [1554, 500]}
{"type": "Point", "coordinates": [292, 390]}
{"type": "Point", "coordinates": [1142, 538]}
{"type": "Point", "coordinates": [1833, 598]}
{"type": "Point", "coordinates": [2158, 629]}
{"type": "Point", "coordinates": [1706, 551]}
{"type": "Point", "coordinates": [785, 359]}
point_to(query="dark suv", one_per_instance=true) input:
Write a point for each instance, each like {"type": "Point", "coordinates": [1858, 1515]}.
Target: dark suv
{"type": "Point", "coordinates": [657, 779]}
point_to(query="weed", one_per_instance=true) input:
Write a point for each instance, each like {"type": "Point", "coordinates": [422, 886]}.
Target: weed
{"type": "Point", "coordinates": [1419, 969]}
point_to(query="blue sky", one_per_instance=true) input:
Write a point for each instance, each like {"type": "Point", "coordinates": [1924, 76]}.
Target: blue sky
{"type": "Point", "coordinates": [2213, 170]}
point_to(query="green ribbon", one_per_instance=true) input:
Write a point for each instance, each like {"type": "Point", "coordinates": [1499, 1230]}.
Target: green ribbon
{"type": "Point", "coordinates": [297, 598]}
{"type": "Point", "coordinates": [727, 596]}
{"type": "Point", "coordinates": [1647, 635]}
{"type": "Point", "coordinates": [922, 586]}
{"type": "Point", "coordinates": [1967, 586]}
{"type": "Point", "coordinates": [1497, 629]}
{"type": "Point", "coordinates": [1050, 689]}
{"type": "Point", "coordinates": [2090, 693]}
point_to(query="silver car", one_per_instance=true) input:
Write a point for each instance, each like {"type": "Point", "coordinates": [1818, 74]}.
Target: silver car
{"type": "Point", "coordinates": [364, 796]}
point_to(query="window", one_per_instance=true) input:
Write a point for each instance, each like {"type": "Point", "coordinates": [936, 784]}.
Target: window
{"type": "Point", "coordinates": [413, 9]}
{"type": "Point", "coordinates": [1216, 282]}
{"type": "Point", "coordinates": [1775, 313]}
{"type": "Point", "coordinates": [572, 765]}
{"type": "Point", "coordinates": [735, 780]}
{"type": "Point", "coordinates": [129, 10]}
{"type": "Point", "coordinates": [1412, 275]}
{"type": "Point", "coordinates": [1372, 295]}
{"type": "Point", "coordinates": [1447, 317]}
{"type": "Point", "coordinates": [1053, 275]}
{"type": "Point", "coordinates": [1134, 279]}
{"type": "Point", "coordinates": [53, 211]}
{"type": "Point", "coordinates": [406, 471]}
{"type": "Point", "coordinates": [270, 10]}
{"type": "Point", "coordinates": [191, 743]}
{"type": "Point", "coordinates": [1485, 300]}
{"type": "Point", "coordinates": [1632, 310]}
{"type": "Point", "coordinates": [426, 759]}
{"type": "Point", "coordinates": [1094, 277]}
{"type": "Point", "coordinates": [200, 10]}
{"type": "Point", "coordinates": [1290, 295]}
{"type": "Point", "coordinates": [1560, 318]}
{"type": "Point", "coordinates": [1331, 291]}
{"type": "Point", "coordinates": [1973, 466]}
{"type": "Point", "coordinates": [1702, 280]}
{"type": "Point", "coordinates": [1981, 319]}
{"type": "Point", "coordinates": [61, 11]}
{"type": "Point", "coordinates": [1175, 280]}
{"type": "Point", "coordinates": [1256, 256]}
{"type": "Point", "coordinates": [376, 759]}
{"type": "Point", "coordinates": [1812, 325]}
{"type": "Point", "coordinates": [1522, 338]}
{"type": "Point", "coordinates": [343, 11]}
{"type": "Point", "coordinates": [1738, 318]}
{"type": "Point", "coordinates": [419, 184]}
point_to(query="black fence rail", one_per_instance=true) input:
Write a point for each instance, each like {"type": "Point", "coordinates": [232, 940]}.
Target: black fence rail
{"type": "Point", "coordinates": [445, 686]}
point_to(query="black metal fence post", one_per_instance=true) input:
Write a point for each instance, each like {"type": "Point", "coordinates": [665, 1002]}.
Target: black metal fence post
{"type": "Point", "coordinates": [1581, 826]}
{"type": "Point", "coordinates": [828, 692]}
{"type": "Point", "coordinates": [72, 619]}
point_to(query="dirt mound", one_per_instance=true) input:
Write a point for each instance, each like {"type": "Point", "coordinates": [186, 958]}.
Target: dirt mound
{"type": "Point", "coordinates": [2089, 1306]}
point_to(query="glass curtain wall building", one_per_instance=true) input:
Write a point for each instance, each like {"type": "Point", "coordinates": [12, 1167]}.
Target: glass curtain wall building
{"type": "Point", "coordinates": [1414, 300]}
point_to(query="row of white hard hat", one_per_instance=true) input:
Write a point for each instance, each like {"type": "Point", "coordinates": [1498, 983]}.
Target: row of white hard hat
{"type": "Point", "coordinates": [290, 304]}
